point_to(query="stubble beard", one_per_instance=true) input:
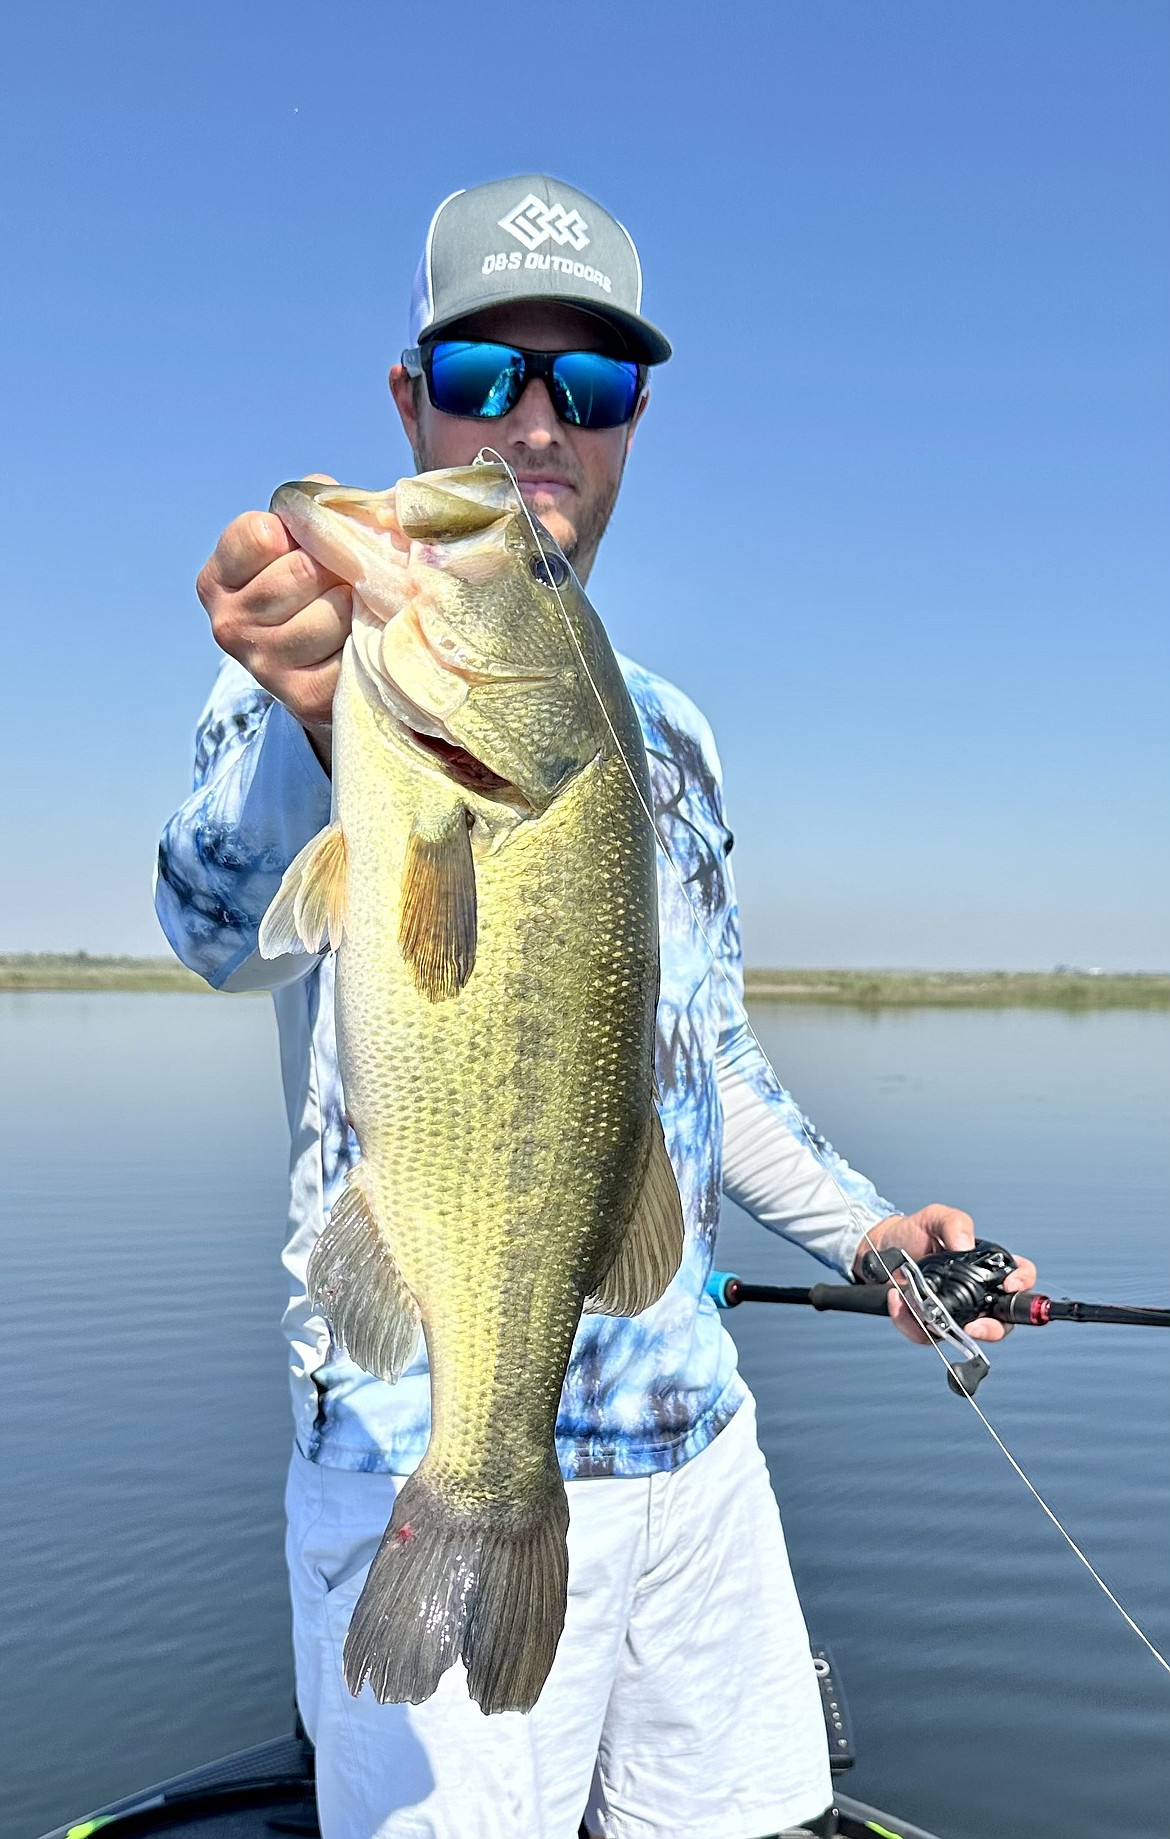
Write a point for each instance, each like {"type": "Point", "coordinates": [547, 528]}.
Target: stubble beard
{"type": "Point", "coordinates": [593, 514]}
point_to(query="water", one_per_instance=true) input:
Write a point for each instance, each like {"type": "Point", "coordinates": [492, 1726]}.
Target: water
{"type": "Point", "coordinates": [143, 1625]}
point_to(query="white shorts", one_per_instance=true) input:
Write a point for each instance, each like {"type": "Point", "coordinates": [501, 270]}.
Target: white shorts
{"type": "Point", "coordinates": [682, 1701]}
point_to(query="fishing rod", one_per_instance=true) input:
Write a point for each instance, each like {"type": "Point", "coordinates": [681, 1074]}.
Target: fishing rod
{"type": "Point", "coordinates": [966, 1363]}
{"type": "Point", "coordinates": [944, 1292]}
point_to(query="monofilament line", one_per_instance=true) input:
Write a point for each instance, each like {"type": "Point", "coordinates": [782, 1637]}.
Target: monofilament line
{"type": "Point", "coordinates": [1068, 1538]}
{"type": "Point", "coordinates": [737, 1000]}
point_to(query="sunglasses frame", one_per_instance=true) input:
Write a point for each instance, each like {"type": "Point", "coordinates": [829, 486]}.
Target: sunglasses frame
{"type": "Point", "coordinates": [418, 361]}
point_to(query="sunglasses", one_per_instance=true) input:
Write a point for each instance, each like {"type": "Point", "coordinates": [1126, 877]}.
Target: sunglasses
{"type": "Point", "coordinates": [479, 379]}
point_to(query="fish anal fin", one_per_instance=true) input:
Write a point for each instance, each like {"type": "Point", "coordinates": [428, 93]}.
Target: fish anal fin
{"type": "Point", "coordinates": [355, 1282]}
{"type": "Point", "coordinates": [308, 911]}
{"type": "Point", "coordinates": [437, 922]}
{"type": "Point", "coordinates": [651, 1250]}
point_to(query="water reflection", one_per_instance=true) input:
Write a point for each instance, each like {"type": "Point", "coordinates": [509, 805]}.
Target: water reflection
{"type": "Point", "coordinates": [143, 1625]}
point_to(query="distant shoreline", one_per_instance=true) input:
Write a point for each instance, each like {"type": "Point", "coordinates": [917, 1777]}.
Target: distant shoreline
{"type": "Point", "coordinates": [79, 970]}
{"type": "Point", "coordinates": [1071, 989]}
{"type": "Point", "coordinates": [1065, 989]}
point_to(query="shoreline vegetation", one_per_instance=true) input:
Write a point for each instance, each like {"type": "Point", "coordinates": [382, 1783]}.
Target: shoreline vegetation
{"type": "Point", "coordinates": [1063, 988]}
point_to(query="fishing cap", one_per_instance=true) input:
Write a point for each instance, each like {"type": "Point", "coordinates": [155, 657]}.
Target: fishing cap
{"type": "Point", "coordinates": [531, 238]}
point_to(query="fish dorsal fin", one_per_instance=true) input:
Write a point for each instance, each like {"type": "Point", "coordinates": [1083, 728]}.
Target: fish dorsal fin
{"type": "Point", "coordinates": [651, 1250]}
{"type": "Point", "coordinates": [308, 912]}
{"type": "Point", "coordinates": [437, 925]}
{"type": "Point", "coordinates": [355, 1282]}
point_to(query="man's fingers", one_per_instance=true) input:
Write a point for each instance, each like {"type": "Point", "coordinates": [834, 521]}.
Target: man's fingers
{"type": "Point", "coordinates": [307, 637]}
{"type": "Point", "coordinates": [903, 1319]}
{"type": "Point", "coordinates": [309, 691]}
{"type": "Point", "coordinates": [288, 586]}
{"type": "Point", "coordinates": [988, 1329]}
{"type": "Point", "coordinates": [955, 1229]}
{"type": "Point", "coordinates": [246, 547]}
{"type": "Point", "coordinates": [306, 689]}
{"type": "Point", "coordinates": [1023, 1277]}
{"type": "Point", "coordinates": [276, 610]}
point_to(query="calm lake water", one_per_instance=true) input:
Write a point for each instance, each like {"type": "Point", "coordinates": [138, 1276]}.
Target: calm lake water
{"type": "Point", "coordinates": [994, 1692]}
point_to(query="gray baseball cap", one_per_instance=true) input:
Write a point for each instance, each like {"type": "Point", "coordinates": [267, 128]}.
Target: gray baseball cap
{"type": "Point", "coordinates": [530, 238]}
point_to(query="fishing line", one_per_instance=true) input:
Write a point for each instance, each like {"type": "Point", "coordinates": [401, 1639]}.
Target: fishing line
{"type": "Point", "coordinates": [737, 1000]}
{"type": "Point", "coordinates": [712, 949]}
{"type": "Point", "coordinates": [1068, 1539]}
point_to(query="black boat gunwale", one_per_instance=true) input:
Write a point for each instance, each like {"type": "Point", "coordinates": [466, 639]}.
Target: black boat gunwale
{"type": "Point", "coordinates": [273, 1777]}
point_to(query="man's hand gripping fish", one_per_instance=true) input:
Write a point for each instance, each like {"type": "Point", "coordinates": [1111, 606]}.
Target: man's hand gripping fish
{"type": "Point", "coordinates": [488, 884]}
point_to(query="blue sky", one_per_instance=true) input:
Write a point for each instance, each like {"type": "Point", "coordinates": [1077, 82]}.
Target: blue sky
{"type": "Point", "coordinates": [897, 518]}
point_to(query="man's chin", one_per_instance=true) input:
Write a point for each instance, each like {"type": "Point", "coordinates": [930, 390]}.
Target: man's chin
{"type": "Point", "coordinates": [562, 529]}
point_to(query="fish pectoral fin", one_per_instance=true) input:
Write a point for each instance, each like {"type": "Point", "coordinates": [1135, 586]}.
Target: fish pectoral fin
{"type": "Point", "coordinates": [308, 911]}
{"type": "Point", "coordinates": [355, 1282]}
{"type": "Point", "coordinates": [437, 923]}
{"type": "Point", "coordinates": [651, 1251]}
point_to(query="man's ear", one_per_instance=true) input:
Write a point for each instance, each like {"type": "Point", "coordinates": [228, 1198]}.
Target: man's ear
{"type": "Point", "coordinates": [406, 402]}
{"type": "Point", "coordinates": [635, 418]}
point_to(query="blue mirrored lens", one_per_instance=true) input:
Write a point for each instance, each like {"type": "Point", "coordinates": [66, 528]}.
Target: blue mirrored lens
{"type": "Point", "coordinates": [592, 391]}
{"type": "Point", "coordinates": [470, 377]}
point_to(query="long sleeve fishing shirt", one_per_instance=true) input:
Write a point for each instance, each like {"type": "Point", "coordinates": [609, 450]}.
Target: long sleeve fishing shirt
{"type": "Point", "coordinates": [640, 1395]}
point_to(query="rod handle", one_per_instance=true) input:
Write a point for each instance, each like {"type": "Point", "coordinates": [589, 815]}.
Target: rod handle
{"type": "Point", "coordinates": [850, 1298]}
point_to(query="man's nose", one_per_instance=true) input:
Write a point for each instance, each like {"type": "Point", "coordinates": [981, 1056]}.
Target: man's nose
{"type": "Point", "coordinates": [533, 422]}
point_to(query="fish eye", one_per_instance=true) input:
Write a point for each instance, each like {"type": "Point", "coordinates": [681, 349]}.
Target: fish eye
{"type": "Point", "coordinates": [549, 569]}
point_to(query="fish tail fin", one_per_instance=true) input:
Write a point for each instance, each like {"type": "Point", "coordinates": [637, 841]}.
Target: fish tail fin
{"type": "Point", "coordinates": [450, 1581]}
{"type": "Point", "coordinates": [519, 1609]}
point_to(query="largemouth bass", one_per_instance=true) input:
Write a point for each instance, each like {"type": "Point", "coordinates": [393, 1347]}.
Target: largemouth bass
{"type": "Point", "coordinates": [488, 884]}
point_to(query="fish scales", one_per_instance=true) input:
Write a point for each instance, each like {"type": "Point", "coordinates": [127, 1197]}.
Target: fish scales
{"type": "Point", "coordinates": [497, 1143]}
{"type": "Point", "coordinates": [489, 884]}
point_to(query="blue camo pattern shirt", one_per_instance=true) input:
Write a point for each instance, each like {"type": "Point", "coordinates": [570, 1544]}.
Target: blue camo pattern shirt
{"type": "Point", "coordinates": [640, 1395]}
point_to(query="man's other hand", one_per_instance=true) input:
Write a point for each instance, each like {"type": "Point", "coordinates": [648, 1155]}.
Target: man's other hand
{"type": "Point", "coordinates": [281, 615]}
{"type": "Point", "coordinates": [937, 1229]}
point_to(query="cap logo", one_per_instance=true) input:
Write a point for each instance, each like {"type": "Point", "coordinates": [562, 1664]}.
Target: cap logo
{"type": "Point", "coordinates": [533, 222]}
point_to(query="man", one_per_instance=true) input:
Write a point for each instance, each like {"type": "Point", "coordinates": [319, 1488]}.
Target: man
{"type": "Point", "coordinates": [682, 1701]}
